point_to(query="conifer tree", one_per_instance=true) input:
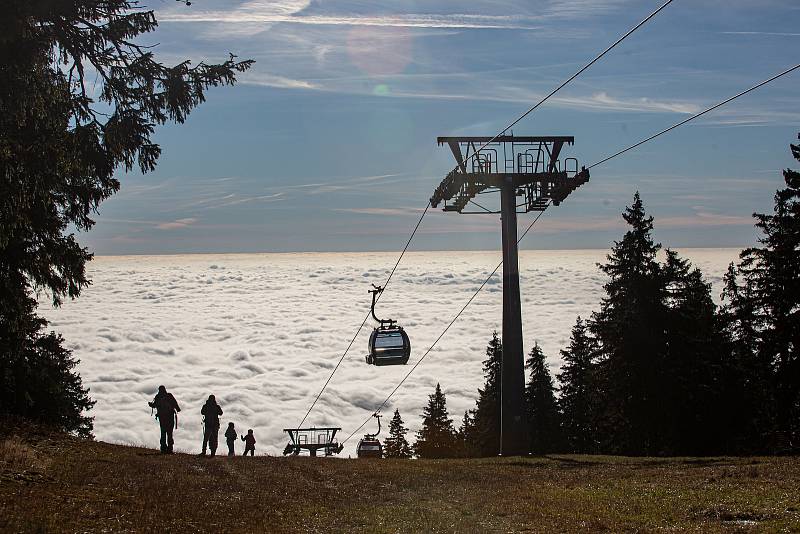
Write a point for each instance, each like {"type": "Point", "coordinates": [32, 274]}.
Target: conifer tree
{"type": "Point", "coordinates": [396, 445]}
{"type": "Point", "coordinates": [692, 374]}
{"type": "Point", "coordinates": [79, 99]}
{"type": "Point", "coordinates": [541, 406]}
{"type": "Point", "coordinates": [772, 270]}
{"type": "Point", "coordinates": [576, 391]}
{"type": "Point", "coordinates": [466, 436]}
{"type": "Point", "coordinates": [37, 373]}
{"type": "Point", "coordinates": [436, 438]}
{"type": "Point", "coordinates": [630, 335]}
{"type": "Point", "coordinates": [748, 373]}
{"type": "Point", "coordinates": [487, 411]}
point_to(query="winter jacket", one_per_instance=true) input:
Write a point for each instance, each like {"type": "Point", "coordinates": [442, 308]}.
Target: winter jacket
{"type": "Point", "coordinates": [165, 405]}
{"type": "Point", "coordinates": [211, 411]}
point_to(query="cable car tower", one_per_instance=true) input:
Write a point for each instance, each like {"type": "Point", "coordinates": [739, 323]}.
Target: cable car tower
{"type": "Point", "coordinates": [532, 172]}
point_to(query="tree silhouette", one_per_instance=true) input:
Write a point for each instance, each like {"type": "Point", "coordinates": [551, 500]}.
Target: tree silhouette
{"type": "Point", "coordinates": [37, 374]}
{"type": "Point", "coordinates": [487, 411]}
{"type": "Point", "coordinates": [692, 385]}
{"type": "Point", "coordinates": [749, 411]}
{"type": "Point", "coordinates": [436, 438]}
{"type": "Point", "coordinates": [630, 334]}
{"type": "Point", "coordinates": [396, 445]}
{"type": "Point", "coordinates": [577, 391]}
{"type": "Point", "coordinates": [467, 436]}
{"type": "Point", "coordinates": [541, 407]}
{"type": "Point", "coordinates": [63, 138]}
{"type": "Point", "coordinates": [771, 270]}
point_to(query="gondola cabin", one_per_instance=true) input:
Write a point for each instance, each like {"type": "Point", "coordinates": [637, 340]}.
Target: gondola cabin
{"type": "Point", "coordinates": [389, 346]}
{"type": "Point", "coordinates": [369, 447]}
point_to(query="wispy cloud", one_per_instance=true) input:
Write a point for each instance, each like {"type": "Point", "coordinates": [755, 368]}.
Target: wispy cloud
{"type": "Point", "coordinates": [379, 211]}
{"type": "Point", "coordinates": [411, 20]}
{"type": "Point", "coordinates": [771, 34]}
{"type": "Point", "coordinates": [271, 80]}
{"type": "Point", "coordinates": [582, 8]}
{"type": "Point", "coordinates": [177, 224]}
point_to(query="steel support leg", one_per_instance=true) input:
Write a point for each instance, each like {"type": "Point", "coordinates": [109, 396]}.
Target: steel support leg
{"type": "Point", "coordinates": [512, 383]}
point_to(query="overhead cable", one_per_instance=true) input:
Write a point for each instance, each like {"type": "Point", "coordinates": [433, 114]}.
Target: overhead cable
{"type": "Point", "coordinates": [695, 116]}
{"type": "Point", "coordinates": [475, 294]}
{"type": "Point", "coordinates": [568, 80]}
{"type": "Point", "coordinates": [388, 279]}
{"type": "Point", "coordinates": [509, 126]}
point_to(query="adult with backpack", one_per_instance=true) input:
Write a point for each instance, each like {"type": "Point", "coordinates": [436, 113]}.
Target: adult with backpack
{"type": "Point", "coordinates": [211, 412]}
{"type": "Point", "coordinates": [167, 409]}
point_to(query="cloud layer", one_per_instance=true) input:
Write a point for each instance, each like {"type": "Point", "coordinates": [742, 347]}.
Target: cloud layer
{"type": "Point", "coordinates": [263, 332]}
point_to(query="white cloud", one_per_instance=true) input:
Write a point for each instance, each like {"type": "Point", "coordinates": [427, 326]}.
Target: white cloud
{"type": "Point", "coordinates": [271, 80]}
{"type": "Point", "coordinates": [770, 34]}
{"type": "Point", "coordinates": [262, 332]}
{"type": "Point", "coordinates": [176, 224]}
{"type": "Point", "coordinates": [264, 13]}
{"type": "Point", "coordinates": [603, 100]}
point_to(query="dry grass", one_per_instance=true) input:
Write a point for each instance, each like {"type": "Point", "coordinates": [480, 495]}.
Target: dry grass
{"type": "Point", "coordinates": [96, 487]}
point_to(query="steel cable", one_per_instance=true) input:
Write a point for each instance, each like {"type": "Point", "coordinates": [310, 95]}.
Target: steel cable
{"type": "Point", "coordinates": [509, 126]}
{"type": "Point", "coordinates": [568, 80]}
{"type": "Point", "coordinates": [693, 117]}
{"type": "Point", "coordinates": [366, 318]}
{"type": "Point", "coordinates": [475, 294]}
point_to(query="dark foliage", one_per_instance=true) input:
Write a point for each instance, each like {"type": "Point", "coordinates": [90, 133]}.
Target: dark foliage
{"type": "Point", "coordinates": [486, 431]}
{"type": "Point", "coordinates": [396, 445]}
{"type": "Point", "coordinates": [79, 98]}
{"type": "Point", "coordinates": [541, 409]}
{"type": "Point", "coordinates": [577, 392]}
{"type": "Point", "coordinates": [37, 374]}
{"type": "Point", "coordinates": [772, 274]}
{"type": "Point", "coordinates": [467, 436]}
{"type": "Point", "coordinates": [694, 366]}
{"type": "Point", "coordinates": [437, 437]}
{"type": "Point", "coordinates": [630, 334]}
{"type": "Point", "coordinates": [665, 380]}
{"type": "Point", "coordinates": [748, 378]}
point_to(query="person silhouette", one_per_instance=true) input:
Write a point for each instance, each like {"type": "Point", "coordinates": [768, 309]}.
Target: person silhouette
{"type": "Point", "coordinates": [211, 412]}
{"type": "Point", "coordinates": [167, 414]}
{"type": "Point", "coordinates": [230, 438]}
{"type": "Point", "coordinates": [249, 443]}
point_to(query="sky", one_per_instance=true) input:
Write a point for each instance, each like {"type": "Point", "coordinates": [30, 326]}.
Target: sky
{"type": "Point", "coordinates": [329, 142]}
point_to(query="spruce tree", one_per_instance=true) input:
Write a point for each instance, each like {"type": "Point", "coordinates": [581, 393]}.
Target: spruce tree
{"type": "Point", "coordinates": [748, 374]}
{"type": "Point", "coordinates": [630, 335]}
{"type": "Point", "coordinates": [487, 411]}
{"type": "Point", "coordinates": [692, 374]}
{"type": "Point", "coordinates": [541, 406]}
{"type": "Point", "coordinates": [576, 391]}
{"type": "Point", "coordinates": [466, 436]}
{"type": "Point", "coordinates": [396, 445]}
{"type": "Point", "coordinates": [436, 438]}
{"type": "Point", "coordinates": [37, 373]}
{"type": "Point", "coordinates": [773, 270]}
{"type": "Point", "coordinates": [79, 100]}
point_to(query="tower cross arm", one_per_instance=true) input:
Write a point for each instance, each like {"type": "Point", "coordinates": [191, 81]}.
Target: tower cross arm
{"type": "Point", "coordinates": [570, 140]}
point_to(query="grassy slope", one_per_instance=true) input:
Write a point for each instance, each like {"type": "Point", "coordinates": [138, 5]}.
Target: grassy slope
{"type": "Point", "coordinates": [49, 482]}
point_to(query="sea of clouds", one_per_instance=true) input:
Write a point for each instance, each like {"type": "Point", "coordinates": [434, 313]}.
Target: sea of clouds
{"type": "Point", "coordinates": [263, 331]}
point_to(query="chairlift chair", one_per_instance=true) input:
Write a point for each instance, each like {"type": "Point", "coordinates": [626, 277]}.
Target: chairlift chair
{"type": "Point", "coordinates": [388, 343]}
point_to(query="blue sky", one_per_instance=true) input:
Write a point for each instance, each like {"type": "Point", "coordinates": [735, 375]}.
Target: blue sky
{"type": "Point", "coordinates": [329, 142]}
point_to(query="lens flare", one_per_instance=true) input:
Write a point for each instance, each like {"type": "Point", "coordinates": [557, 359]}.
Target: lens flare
{"type": "Point", "coordinates": [380, 51]}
